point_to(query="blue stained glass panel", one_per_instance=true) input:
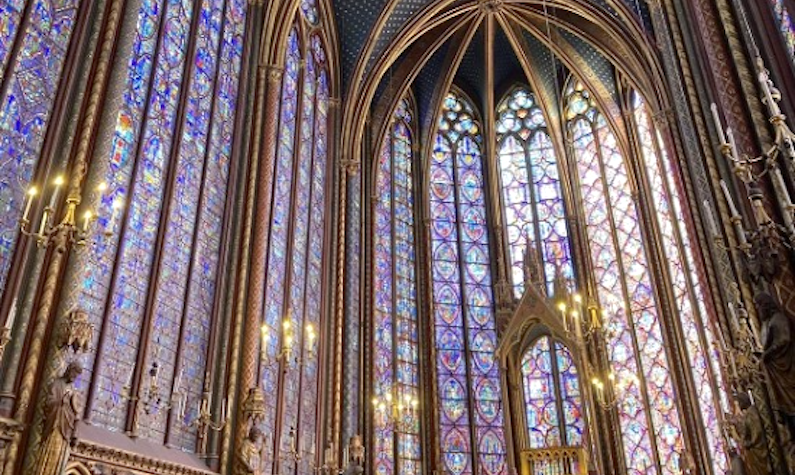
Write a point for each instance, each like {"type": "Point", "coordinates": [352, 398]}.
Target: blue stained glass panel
{"type": "Point", "coordinates": [128, 297]}
{"type": "Point", "coordinates": [32, 78]}
{"type": "Point", "coordinates": [462, 298]}
{"type": "Point", "coordinates": [277, 253]}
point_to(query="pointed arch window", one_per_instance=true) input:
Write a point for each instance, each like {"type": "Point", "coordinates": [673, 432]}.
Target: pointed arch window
{"type": "Point", "coordinates": [151, 295]}
{"type": "Point", "coordinates": [34, 38]}
{"type": "Point", "coordinates": [531, 194]}
{"type": "Point", "coordinates": [697, 326]}
{"type": "Point", "coordinates": [294, 283]}
{"type": "Point", "coordinates": [471, 434]}
{"type": "Point", "coordinates": [650, 424]}
{"type": "Point", "coordinates": [396, 357]}
{"type": "Point", "coordinates": [552, 397]}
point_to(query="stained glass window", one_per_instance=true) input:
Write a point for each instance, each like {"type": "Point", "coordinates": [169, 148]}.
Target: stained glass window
{"type": "Point", "coordinates": [650, 423]}
{"type": "Point", "coordinates": [396, 364]}
{"type": "Point", "coordinates": [293, 289]}
{"type": "Point", "coordinates": [41, 30]}
{"type": "Point", "coordinates": [172, 168]}
{"type": "Point", "coordinates": [309, 10]}
{"type": "Point", "coordinates": [690, 299]}
{"type": "Point", "coordinates": [531, 196]}
{"type": "Point", "coordinates": [785, 25]}
{"type": "Point", "coordinates": [471, 432]}
{"type": "Point", "coordinates": [552, 396]}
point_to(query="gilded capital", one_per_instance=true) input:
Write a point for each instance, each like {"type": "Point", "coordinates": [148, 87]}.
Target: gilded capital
{"type": "Point", "coordinates": [274, 72]}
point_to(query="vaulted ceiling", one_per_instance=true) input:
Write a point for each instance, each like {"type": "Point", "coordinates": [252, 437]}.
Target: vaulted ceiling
{"type": "Point", "coordinates": [388, 47]}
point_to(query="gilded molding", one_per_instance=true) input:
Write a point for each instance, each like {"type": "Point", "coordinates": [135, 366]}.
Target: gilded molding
{"type": "Point", "coordinates": [273, 72]}
{"type": "Point", "coordinates": [92, 454]}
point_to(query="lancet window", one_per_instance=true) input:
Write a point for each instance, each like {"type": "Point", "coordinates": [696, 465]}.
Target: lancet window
{"type": "Point", "coordinates": [690, 300]}
{"type": "Point", "coordinates": [531, 195]}
{"type": "Point", "coordinates": [785, 24]}
{"type": "Point", "coordinates": [294, 283]}
{"type": "Point", "coordinates": [396, 342]}
{"type": "Point", "coordinates": [552, 396]}
{"type": "Point", "coordinates": [34, 39]}
{"type": "Point", "coordinates": [471, 431]}
{"type": "Point", "coordinates": [650, 424]}
{"type": "Point", "coordinates": [151, 287]}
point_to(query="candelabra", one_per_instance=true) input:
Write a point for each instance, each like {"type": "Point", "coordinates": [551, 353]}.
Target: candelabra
{"type": "Point", "coordinates": [65, 231]}
{"type": "Point", "coordinates": [287, 352]}
{"type": "Point", "coordinates": [204, 422]}
{"type": "Point", "coordinates": [399, 409]}
{"type": "Point", "coordinates": [583, 323]}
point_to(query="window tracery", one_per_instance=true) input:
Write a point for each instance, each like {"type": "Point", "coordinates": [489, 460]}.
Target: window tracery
{"type": "Point", "coordinates": [396, 342]}
{"type": "Point", "coordinates": [552, 396]}
{"type": "Point", "coordinates": [531, 195]}
{"type": "Point", "coordinates": [471, 435]}
{"type": "Point", "coordinates": [152, 296]}
{"type": "Point", "coordinates": [650, 424]}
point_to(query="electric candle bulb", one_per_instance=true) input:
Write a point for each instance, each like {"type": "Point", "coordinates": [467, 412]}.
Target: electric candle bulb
{"type": "Point", "coordinates": [58, 182]}
{"type": "Point", "coordinates": [87, 220]}
{"type": "Point", "coordinates": [32, 192]}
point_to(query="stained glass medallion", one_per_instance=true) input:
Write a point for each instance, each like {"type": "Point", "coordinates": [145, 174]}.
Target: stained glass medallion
{"type": "Point", "coordinates": [471, 414]}
{"type": "Point", "coordinates": [396, 364]}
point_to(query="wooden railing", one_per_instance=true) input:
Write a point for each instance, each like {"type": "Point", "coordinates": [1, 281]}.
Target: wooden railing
{"type": "Point", "coordinates": [554, 461]}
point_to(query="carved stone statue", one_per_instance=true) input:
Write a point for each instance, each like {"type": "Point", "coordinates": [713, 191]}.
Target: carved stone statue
{"type": "Point", "coordinates": [355, 456]}
{"type": "Point", "coordinates": [778, 356]}
{"type": "Point", "coordinates": [751, 434]}
{"type": "Point", "coordinates": [357, 450]}
{"type": "Point", "coordinates": [60, 417]}
{"type": "Point", "coordinates": [249, 457]}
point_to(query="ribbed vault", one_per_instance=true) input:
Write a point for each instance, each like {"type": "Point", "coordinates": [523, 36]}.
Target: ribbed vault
{"type": "Point", "coordinates": [428, 46]}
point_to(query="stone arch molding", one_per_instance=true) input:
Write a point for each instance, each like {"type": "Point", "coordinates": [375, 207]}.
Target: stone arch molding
{"type": "Point", "coordinates": [618, 36]}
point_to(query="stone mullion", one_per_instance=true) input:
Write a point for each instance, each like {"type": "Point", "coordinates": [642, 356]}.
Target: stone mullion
{"type": "Point", "coordinates": [671, 328]}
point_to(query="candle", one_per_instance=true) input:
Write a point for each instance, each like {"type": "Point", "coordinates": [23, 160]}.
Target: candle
{"type": "Point", "coordinates": [12, 314]}
{"type": "Point", "coordinates": [718, 125]}
{"type": "Point", "coordinates": [58, 183]}
{"type": "Point", "coordinates": [87, 220]}
{"type": "Point", "coordinates": [733, 144]}
{"type": "Point", "coordinates": [32, 192]}
{"type": "Point", "coordinates": [711, 224]}
{"type": "Point", "coordinates": [45, 218]}
{"type": "Point", "coordinates": [751, 397]}
{"type": "Point", "coordinates": [729, 200]}
{"type": "Point", "coordinates": [723, 345]}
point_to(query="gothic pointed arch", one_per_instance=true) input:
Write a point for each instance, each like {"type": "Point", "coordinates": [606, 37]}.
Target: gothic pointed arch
{"type": "Point", "coordinates": [471, 417]}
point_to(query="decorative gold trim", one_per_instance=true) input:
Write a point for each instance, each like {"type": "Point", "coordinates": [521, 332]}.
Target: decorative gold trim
{"type": "Point", "coordinates": [93, 454]}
